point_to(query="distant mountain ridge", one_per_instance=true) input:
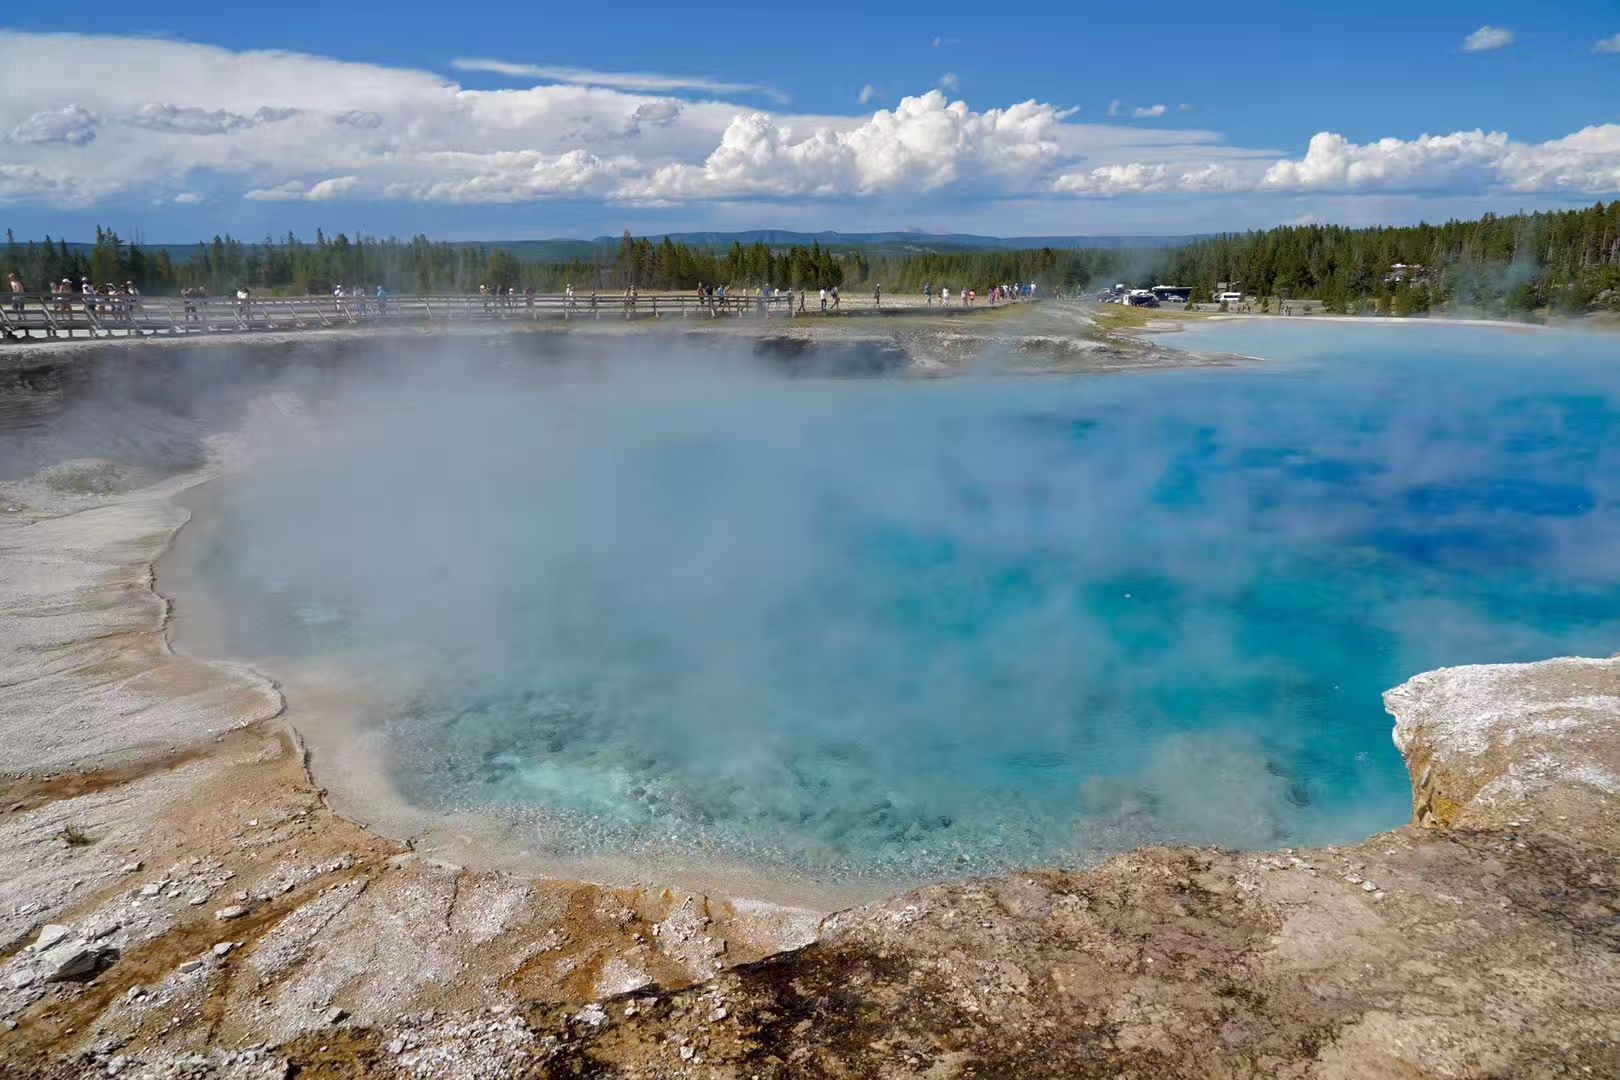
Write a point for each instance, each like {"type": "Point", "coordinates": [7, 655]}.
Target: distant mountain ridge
{"type": "Point", "coordinates": [894, 242]}
{"type": "Point", "coordinates": [916, 239]}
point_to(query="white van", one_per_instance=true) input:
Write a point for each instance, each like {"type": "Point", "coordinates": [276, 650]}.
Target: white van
{"type": "Point", "coordinates": [1229, 298]}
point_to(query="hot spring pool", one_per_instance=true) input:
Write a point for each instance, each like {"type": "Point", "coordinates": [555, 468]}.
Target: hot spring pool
{"type": "Point", "coordinates": [902, 629]}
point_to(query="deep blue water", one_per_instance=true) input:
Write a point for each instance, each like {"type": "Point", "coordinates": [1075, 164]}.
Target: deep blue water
{"type": "Point", "coordinates": [880, 627]}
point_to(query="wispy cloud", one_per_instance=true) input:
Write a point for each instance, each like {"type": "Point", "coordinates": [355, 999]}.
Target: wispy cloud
{"type": "Point", "coordinates": [949, 81]}
{"type": "Point", "coordinates": [868, 92]}
{"type": "Point", "coordinates": [288, 191]}
{"type": "Point", "coordinates": [1487, 38]}
{"type": "Point", "coordinates": [1149, 111]}
{"type": "Point", "coordinates": [636, 81]}
{"type": "Point", "coordinates": [1608, 45]}
{"type": "Point", "coordinates": [1113, 107]}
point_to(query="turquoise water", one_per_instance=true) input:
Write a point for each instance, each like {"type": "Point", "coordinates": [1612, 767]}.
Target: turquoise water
{"type": "Point", "coordinates": [902, 629]}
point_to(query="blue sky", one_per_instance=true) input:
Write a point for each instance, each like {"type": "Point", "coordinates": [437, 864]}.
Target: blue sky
{"type": "Point", "coordinates": [545, 119]}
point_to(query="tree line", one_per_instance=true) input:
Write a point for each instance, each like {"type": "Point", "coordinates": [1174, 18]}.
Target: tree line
{"type": "Point", "coordinates": [1567, 261]}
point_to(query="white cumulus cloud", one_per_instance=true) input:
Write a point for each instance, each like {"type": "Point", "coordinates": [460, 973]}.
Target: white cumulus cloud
{"type": "Point", "coordinates": [1586, 163]}
{"type": "Point", "coordinates": [868, 92]}
{"type": "Point", "coordinates": [288, 127]}
{"type": "Point", "coordinates": [924, 143]}
{"type": "Point", "coordinates": [69, 124]}
{"type": "Point", "coordinates": [1608, 45]}
{"type": "Point", "coordinates": [1148, 111]}
{"type": "Point", "coordinates": [1487, 38]}
{"type": "Point", "coordinates": [187, 120]}
{"type": "Point", "coordinates": [332, 188]}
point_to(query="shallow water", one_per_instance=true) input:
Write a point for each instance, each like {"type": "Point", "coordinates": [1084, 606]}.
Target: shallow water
{"type": "Point", "coordinates": [873, 627]}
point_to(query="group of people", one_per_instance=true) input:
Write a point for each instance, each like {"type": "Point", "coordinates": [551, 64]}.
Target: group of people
{"type": "Point", "coordinates": [503, 296]}
{"type": "Point", "coordinates": [998, 293]}
{"type": "Point", "coordinates": [109, 301]}
{"type": "Point", "coordinates": [363, 300]}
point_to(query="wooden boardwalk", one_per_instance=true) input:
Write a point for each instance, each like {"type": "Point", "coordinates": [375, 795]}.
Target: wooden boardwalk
{"type": "Point", "coordinates": [36, 317]}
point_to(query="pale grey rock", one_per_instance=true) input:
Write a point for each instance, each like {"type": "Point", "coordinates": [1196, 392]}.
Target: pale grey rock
{"type": "Point", "coordinates": [76, 961]}
{"type": "Point", "coordinates": [50, 934]}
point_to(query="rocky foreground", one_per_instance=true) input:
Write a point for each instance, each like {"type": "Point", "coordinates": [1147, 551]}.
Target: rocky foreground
{"type": "Point", "coordinates": [177, 900]}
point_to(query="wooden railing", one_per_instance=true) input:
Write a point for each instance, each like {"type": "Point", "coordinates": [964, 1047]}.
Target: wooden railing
{"type": "Point", "coordinates": [23, 317]}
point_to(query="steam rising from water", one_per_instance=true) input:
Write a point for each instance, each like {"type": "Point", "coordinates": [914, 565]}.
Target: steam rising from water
{"type": "Point", "coordinates": [678, 603]}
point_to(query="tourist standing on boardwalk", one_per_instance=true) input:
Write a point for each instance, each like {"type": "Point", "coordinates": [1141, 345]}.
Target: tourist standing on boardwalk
{"type": "Point", "coordinates": [928, 292]}
{"type": "Point", "coordinates": [17, 291]}
{"type": "Point", "coordinates": [944, 295]}
{"type": "Point", "coordinates": [824, 299]}
{"type": "Point", "coordinates": [877, 296]}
